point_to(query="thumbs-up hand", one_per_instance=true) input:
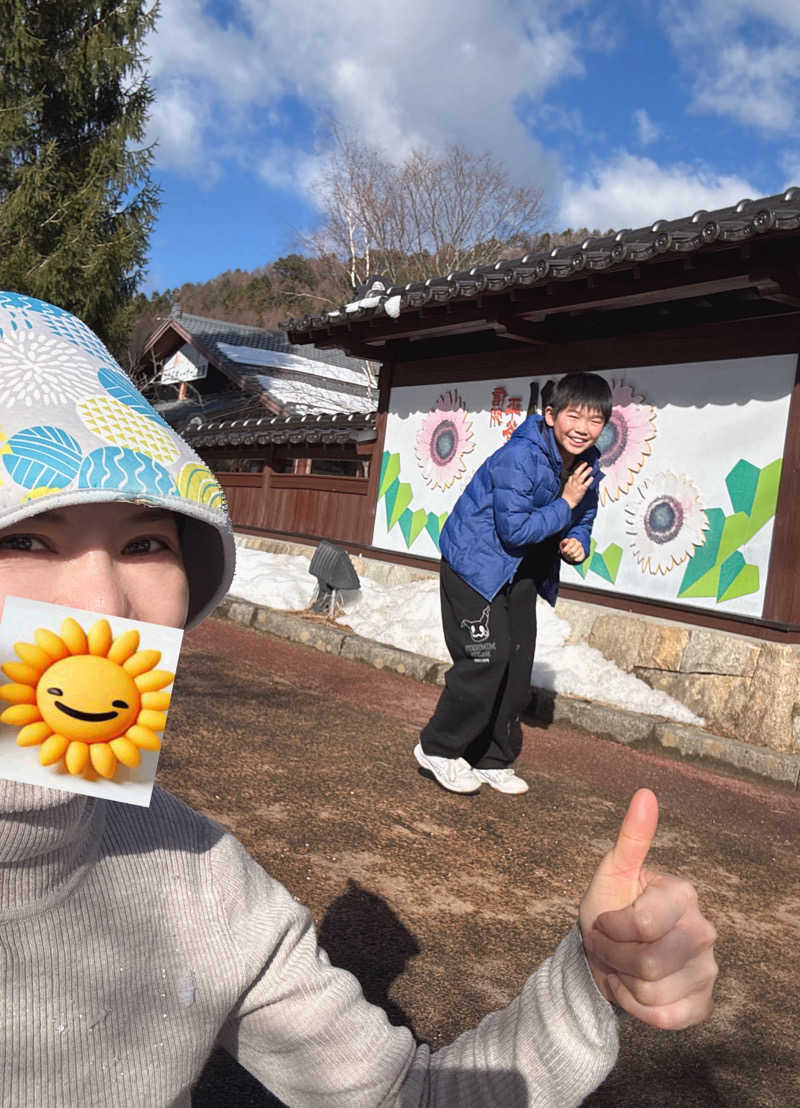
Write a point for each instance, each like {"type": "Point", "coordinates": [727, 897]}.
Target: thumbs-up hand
{"type": "Point", "coordinates": [648, 945]}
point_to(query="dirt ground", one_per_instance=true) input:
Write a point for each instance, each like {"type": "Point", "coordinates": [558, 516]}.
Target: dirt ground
{"type": "Point", "coordinates": [442, 905]}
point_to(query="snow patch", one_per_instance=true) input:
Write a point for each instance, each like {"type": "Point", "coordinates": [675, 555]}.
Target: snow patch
{"type": "Point", "coordinates": [408, 616]}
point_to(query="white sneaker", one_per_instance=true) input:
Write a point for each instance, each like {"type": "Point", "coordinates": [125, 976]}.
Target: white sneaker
{"type": "Point", "coordinates": [454, 774]}
{"type": "Point", "coordinates": [504, 780]}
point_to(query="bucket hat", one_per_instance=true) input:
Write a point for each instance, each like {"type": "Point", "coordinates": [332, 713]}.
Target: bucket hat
{"type": "Point", "coordinates": [75, 430]}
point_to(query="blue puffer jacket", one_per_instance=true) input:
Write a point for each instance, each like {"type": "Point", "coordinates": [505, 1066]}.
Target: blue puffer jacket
{"type": "Point", "coordinates": [514, 500]}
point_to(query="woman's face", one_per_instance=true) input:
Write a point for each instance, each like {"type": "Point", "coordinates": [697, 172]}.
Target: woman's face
{"type": "Point", "coordinates": [117, 559]}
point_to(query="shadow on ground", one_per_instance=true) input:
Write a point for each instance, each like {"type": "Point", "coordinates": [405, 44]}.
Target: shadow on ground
{"type": "Point", "coordinates": [442, 905]}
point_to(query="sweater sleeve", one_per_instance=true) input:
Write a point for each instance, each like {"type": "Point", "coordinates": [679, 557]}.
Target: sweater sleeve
{"type": "Point", "coordinates": [305, 1030]}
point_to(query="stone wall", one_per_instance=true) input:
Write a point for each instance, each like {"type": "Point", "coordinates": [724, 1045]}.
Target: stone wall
{"type": "Point", "coordinates": [741, 686]}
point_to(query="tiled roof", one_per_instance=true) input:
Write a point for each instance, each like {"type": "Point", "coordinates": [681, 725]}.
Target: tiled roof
{"type": "Point", "coordinates": [216, 405]}
{"type": "Point", "coordinates": [211, 332]}
{"type": "Point", "coordinates": [749, 219]}
{"type": "Point", "coordinates": [250, 429]}
{"type": "Point", "coordinates": [289, 378]}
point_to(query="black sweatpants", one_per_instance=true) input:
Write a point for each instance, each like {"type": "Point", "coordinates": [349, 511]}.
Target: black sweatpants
{"type": "Point", "coordinates": [488, 685]}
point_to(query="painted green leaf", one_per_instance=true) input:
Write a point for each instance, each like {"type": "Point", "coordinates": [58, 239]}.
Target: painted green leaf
{"type": "Point", "coordinates": [707, 585]}
{"type": "Point", "coordinates": [389, 499]}
{"type": "Point", "coordinates": [390, 470]}
{"type": "Point", "coordinates": [737, 529]}
{"type": "Point", "coordinates": [766, 498]}
{"type": "Point", "coordinates": [705, 556]}
{"type": "Point", "coordinates": [598, 566]}
{"type": "Point", "coordinates": [418, 520]}
{"type": "Point", "coordinates": [742, 482]}
{"type": "Point", "coordinates": [729, 570]}
{"type": "Point", "coordinates": [612, 556]}
{"type": "Point", "coordinates": [401, 501]}
{"type": "Point", "coordinates": [404, 523]}
{"type": "Point", "coordinates": [743, 584]}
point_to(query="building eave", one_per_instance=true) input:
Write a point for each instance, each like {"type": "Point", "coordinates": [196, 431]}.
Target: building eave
{"type": "Point", "coordinates": [668, 259]}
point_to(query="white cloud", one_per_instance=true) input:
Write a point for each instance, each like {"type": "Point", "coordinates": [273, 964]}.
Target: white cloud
{"type": "Point", "coordinates": [632, 191]}
{"type": "Point", "coordinates": [755, 85]}
{"type": "Point", "coordinates": [429, 74]}
{"type": "Point", "coordinates": [790, 164]}
{"type": "Point", "coordinates": [177, 127]}
{"type": "Point", "coordinates": [646, 129]}
{"type": "Point", "coordinates": [743, 57]}
{"type": "Point", "coordinates": [286, 168]}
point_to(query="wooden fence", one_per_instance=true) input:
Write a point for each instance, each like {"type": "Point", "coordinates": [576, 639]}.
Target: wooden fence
{"type": "Point", "coordinates": [336, 508]}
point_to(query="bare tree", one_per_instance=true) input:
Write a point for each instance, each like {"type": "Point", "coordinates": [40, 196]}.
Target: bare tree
{"type": "Point", "coordinates": [568, 237]}
{"type": "Point", "coordinates": [431, 214]}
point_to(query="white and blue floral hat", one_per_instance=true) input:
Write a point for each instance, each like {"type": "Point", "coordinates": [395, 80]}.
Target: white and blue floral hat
{"type": "Point", "coordinates": [74, 430]}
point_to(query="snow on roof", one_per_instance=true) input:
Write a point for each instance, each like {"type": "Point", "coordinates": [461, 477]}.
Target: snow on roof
{"type": "Point", "coordinates": [304, 397]}
{"type": "Point", "coordinates": [277, 359]}
{"type": "Point", "coordinates": [302, 385]}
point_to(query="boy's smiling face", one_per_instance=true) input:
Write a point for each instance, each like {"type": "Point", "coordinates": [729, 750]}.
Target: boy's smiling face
{"type": "Point", "coordinates": [576, 428]}
{"type": "Point", "coordinates": [117, 559]}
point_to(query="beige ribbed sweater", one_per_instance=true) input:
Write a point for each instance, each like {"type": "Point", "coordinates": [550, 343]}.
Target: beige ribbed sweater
{"type": "Point", "coordinates": [134, 940]}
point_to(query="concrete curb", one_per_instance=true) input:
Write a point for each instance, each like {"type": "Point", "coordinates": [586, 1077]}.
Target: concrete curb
{"type": "Point", "coordinates": [605, 720]}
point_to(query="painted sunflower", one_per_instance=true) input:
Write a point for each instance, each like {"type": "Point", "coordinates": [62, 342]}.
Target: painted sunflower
{"type": "Point", "coordinates": [624, 442]}
{"type": "Point", "coordinates": [665, 522]}
{"type": "Point", "coordinates": [442, 441]}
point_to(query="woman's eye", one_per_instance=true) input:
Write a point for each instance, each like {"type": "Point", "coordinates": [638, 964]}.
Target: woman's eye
{"type": "Point", "coordinates": [21, 542]}
{"type": "Point", "coordinates": [145, 546]}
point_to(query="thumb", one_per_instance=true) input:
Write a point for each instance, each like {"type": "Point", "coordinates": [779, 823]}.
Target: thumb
{"type": "Point", "coordinates": [617, 880]}
{"type": "Point", "coordinates": [636, 833]}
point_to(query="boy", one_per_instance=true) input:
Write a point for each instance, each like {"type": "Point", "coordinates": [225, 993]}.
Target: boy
{"type": "Point", "coordinates": [531, 502]}
{"type": "Point", "coordinates": [135, 940]}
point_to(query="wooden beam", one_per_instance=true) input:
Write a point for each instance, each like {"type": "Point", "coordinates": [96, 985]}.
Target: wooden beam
{"type": "Point", "coordinates": [782, 593]}
{"type": "Point", "coordinates": [367, 338]}
{"type": "Point", "coordinates": [519, 330]}
{"type": "Point", "coordinates": [462, 325]}
{"type": "Point", "coordinates": [792, 299]}
{"type": "Point", "coordinates": [788, 287]}
{"type": "Point", "coordinates": [706, 342]}
{"type": "Point", "coordinates": [385, 382]}
{"type": "Point", "coordinates": [661, 279]}
{"type": "Point", "coordinates": [657, 295]}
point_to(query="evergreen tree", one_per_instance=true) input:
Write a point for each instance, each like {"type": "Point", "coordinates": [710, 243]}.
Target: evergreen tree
{"type": "Point", "coordinates": [76, 200]}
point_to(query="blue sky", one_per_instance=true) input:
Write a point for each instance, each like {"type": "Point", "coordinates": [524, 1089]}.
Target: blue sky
{"type": "Point", "coordinates": [623, 112]}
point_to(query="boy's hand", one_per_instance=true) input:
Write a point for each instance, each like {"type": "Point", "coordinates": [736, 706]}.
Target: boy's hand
{"type": "Point", "coordinates": [579, 480]}
{"type": "Point", "coordinates": [649, 947]}
{"type": "Point", "coordinates": [572, 551]}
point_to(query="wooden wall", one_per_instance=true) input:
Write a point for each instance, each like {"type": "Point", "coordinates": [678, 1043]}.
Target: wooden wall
{"type": "Point", "coordinates": [335, 508]}
{"type": "Point", "coordinates": [342, 509]}
{"type": "Point", "coordinates": [736, 339]}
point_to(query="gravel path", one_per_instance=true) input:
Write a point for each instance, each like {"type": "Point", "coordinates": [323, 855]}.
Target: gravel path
{"type": "Point", "coordinates": [441, 904]}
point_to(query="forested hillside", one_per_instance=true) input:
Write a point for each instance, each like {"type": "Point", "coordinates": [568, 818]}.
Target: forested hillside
{"type": "Point", "coordinates": [288, 287]}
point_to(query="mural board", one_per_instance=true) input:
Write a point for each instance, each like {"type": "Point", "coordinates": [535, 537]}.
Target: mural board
{"type": "Point", "coordinates": [692, 460]}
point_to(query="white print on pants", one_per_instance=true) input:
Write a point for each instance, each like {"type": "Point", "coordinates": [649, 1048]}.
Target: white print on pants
{"type": "Point", "coordinates": [479, 648]}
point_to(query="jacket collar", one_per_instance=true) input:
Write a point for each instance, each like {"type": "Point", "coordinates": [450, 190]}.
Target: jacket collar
{"type": "Point", "coordinates": [536, 430]}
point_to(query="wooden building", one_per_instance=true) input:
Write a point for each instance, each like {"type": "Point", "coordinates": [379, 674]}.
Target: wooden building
{"type": "Point", "coordinates": [696, 324]}
{"type": "Point", "coordinates": [304, 477]}
{"type": "Point", "coordinates": [209, 371]}
{"type": "Point", "coordinates": [288, 429]}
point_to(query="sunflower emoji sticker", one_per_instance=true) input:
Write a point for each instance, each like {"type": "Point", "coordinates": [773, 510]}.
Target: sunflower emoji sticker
{"type": "Point", "coordinates": [86, 699]}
